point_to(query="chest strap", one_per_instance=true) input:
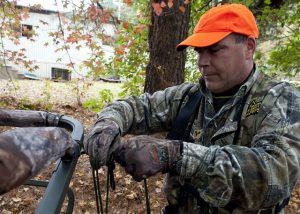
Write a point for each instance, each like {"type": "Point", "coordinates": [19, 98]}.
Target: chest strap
{"type": "Point", "coordinates": [180, 129]}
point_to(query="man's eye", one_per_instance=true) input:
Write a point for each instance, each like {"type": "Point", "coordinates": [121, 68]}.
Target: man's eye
{"type": "Point", "coordinates": [214, 50]}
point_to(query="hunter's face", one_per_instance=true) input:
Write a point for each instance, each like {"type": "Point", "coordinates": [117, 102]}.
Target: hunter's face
{"type": "Point", "coordinates": [223, 65]}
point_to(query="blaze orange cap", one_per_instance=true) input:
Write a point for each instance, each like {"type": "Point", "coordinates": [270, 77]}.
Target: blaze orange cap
{"type": "Point", "coordinates": [219, 22]}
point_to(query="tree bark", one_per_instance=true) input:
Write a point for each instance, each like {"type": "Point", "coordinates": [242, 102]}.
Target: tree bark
{"type": "Point", "coordinates": [166, 65]}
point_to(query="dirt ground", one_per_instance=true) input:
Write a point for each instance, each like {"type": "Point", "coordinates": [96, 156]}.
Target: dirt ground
{"type": "Point", "coordinates": [128, 197]}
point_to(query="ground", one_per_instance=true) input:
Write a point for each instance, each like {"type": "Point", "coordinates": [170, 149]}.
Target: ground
{"type": "Point", "coordinates": [128, 197]}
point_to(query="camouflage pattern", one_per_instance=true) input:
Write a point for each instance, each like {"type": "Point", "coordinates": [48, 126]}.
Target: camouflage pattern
{"type": "Point", "coordinates": [23, 118]}
{"type": "Point", "coordinates": [100, 141]}
{"type": "Point", "coordinates": [26, 151]}
{"type": "Point", "coordinates": [133, 154]}
{"type": "Point", "coordinates": [254, 173]}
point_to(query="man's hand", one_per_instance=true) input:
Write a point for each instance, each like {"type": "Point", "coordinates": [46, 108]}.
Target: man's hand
{"type": "Point", "coordinates": [101, 142]}
{"type": "Point", "coordinates": [52, 119]}
{"type": "Point", "coordinates": [144, 156]}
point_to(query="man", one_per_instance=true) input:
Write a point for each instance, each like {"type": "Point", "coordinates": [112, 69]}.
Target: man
{"type": "Point", "coordinates": [238, 151]}
{"type": "Point", "coordinates": [24, 152]}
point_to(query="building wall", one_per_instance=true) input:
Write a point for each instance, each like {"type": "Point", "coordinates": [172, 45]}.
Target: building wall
{"type": "Point", "coordinates": [45, 56]}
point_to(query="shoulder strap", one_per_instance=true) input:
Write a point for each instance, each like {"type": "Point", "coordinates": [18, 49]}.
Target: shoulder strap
{"type": "Point", "coordinates": [180, 124]}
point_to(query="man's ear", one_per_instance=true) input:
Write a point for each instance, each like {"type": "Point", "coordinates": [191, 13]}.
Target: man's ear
{"type": "Point", "coordinates": [251, 47]}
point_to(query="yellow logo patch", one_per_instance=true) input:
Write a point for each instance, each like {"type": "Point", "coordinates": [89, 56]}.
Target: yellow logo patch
{"type": "Point", "coordinates": [253, 107]}
{"type": "Point", "coordinates": [197, 134]}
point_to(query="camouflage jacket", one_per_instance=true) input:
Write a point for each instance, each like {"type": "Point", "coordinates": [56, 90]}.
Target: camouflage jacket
{"type": "Point", "coordinates": [255, 172]}
{"type": "Point", "coordinates": [26, 151]}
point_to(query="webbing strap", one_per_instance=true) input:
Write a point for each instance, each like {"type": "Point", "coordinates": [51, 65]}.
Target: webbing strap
{"type": "Point", "coordinates": [179, 127]}
{"type": "Point", "coordinates": [97, 191]}
{"type": "Point", "coordinates": [109, 182]}
{"type": "Point", "coordinates": [180, 130]}
{"type": "Point", "coordinates": [147, 197]}
{"type": "Point", "coordinates": [280, 206]}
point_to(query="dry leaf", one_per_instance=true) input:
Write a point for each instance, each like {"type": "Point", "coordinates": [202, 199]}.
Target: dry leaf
{"type": "Point", "coordinates": [159, 184]}
{"type": "Point", "coordinates": [16, 199]}
{"type": "Point", "coordinates": [163, 4]}
{"type": "Point", "coordinates": [128, 181]}
{"type": "Point", "coordinates": [128, 2]}
{"type": "Point", "coordinates": [170, 3]}
{"type": "Point", "coordinates": [6, 212]}
{"type": "Point", "coordinates": [182, 8]}
{"type": "Point", "coordinates": [125, 25]}
{"type": "Point", "coordinates": [139, 28]}
{"type": "Point", "coordinates": [131, 196]}
{"type": "Point", "coordinates": [157, 8]}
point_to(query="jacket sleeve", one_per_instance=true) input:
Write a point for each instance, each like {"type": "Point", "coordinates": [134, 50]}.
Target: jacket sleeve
{"type": "Point", "coordinates": [24, 152]}
{"type": "Point", "coordinates": [147, 113]}
{"type": "Point", "coordinates": [258, 176]}
{"type": "Point", "coordinates": [27, 118]}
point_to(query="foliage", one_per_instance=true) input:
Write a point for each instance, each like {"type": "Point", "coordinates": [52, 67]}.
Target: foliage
{"type": "Point", "coordinates": [80, 88]}
{"type": "Point", "coordinates": [285, 57]}
{"type": "Point", "coordinates": [129, 42]}
{"type": "Point", "coordinates": [38, 105]}
{"type": "Point", "coordinates": [296, 84]}
{"type": "Point", "coordinates": [96, 104]}
{"type": "Point", "coordinates": [131, 55]}
{"type": "Point", "coordinates": [192, 73]}
{"type": "Point", "coordinates": [11, 17]}
{"type": "Point", "coordinates": [42, 103]}
{"type": "Point", "coordinates": [46, 96]}
{"type": "Point", "coordinates": [85, 26]}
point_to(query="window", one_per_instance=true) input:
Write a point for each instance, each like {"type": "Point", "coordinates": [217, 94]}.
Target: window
{"type": "Point", "coordinates": [27, 30]}
{"type": "Point", "coordinates": [60, 74]}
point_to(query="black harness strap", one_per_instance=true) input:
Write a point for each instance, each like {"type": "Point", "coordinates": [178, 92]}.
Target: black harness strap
{"type": "Point", "coordinates": [180, 130]}
{"type": "Point", "coordinates": [280, 206]}
{"type": "Point", "coordinates": [179, 127]}
{"type": "Point", "coordinates": [97, 191]}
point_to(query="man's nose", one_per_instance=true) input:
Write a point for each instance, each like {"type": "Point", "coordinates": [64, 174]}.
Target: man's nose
{"type": "Point", "coordinates": [203, 59]}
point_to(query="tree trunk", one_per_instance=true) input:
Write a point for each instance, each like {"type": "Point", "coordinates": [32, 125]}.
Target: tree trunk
{"type": "Point", "coordinates": [166, 65]}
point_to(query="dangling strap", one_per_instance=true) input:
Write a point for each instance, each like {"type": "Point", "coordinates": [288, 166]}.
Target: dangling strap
{"type": "Point", "coordinates": [97, 191]}
{"type": "Point", "coordinates": [109, 182]}
{"type": "Point", "coordinates": [147, 197]}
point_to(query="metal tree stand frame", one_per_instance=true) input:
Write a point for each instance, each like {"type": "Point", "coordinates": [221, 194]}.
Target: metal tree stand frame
{"type": "Point", "coordinates": [58, 186]}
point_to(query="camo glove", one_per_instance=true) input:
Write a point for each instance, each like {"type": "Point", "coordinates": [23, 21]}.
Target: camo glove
{"type": "Point", "coordinates": [101, 142]}
{"type": "Point", "coordinates": [51, 119]}
{"type": "Point", "coordinates": [144, 156]}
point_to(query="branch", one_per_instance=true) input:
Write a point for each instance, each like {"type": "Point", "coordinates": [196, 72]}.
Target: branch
{"type": "Point", "coordinates": [204, 6]}
{"type": "Point", "coordinates": [3, 48]}
{"type": "Point", "coordinates": [65, 43]}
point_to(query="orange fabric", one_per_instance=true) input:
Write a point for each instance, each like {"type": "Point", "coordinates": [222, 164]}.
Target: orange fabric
{"type": "Point", "coordinates": [219, 22]}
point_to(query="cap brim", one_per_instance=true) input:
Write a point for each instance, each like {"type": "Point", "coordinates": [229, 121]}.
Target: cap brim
{"type": "Point", "coordinates": [202, 39]}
